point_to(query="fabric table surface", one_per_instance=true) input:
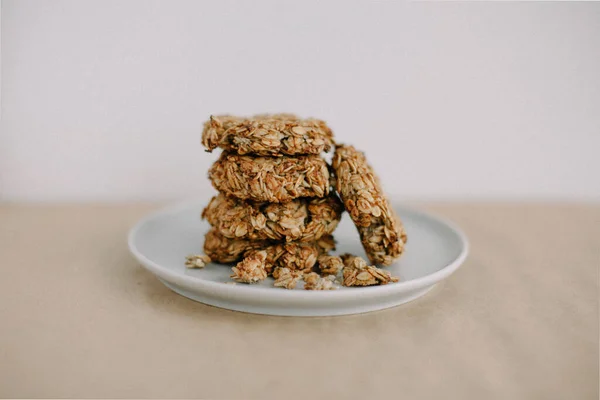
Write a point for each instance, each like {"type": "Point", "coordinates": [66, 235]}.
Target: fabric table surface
{"type": "Point", "coordinates": [519, 320]}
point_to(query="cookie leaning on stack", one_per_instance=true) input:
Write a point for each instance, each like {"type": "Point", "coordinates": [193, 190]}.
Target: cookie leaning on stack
{"type": "Point", "coordinates": [275, 207]}
{"type": "Point", "coordinates": [381, 232]}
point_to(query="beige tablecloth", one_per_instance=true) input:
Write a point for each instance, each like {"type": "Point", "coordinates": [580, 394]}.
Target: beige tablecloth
{"type": "Point", "coordinates": [79, 318]}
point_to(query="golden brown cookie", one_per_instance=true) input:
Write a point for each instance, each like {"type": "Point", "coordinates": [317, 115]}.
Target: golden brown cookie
{"type": "Point", "coordinates": [270, 179]}
{"type": "Point", "coordinates": [267, 135]}
{"type": "Point", "coordinates": [380, 229]}
{"type": "Point", "coordinates": [305, 219]}
{"type": "Point", "coordinates": [223, 250]}
{"type": "Point", "coordinates": [293, 255]}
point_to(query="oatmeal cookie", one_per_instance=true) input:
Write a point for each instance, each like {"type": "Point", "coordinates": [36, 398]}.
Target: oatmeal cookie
{"type": "Point", "coordinates": [293, 255]}
{"type": "Point", "coordinates": [223, 250]}
{"type": "Point", "coordinates": [270, 179]}
{"type": "Point", "coordinates": [267, 135]}
{"type": "Point", "coordinates": [380, 229]}
{"type": "Point", "coordinates": [305, 219]}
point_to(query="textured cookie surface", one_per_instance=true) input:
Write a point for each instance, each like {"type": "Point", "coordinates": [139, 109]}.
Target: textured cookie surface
{"type": "Point", "coordinates": [380, 229]}
{"type": "Point", "coordinates": [293, 255]}
{"type": "Point", "coordinates": [223, 250]}
{"type": "Point", "coordinates": [305, 219]}
{"type": "Point", "coordinates": [270, 179]}
{"type": "Point", "coordinates": [267, 135]}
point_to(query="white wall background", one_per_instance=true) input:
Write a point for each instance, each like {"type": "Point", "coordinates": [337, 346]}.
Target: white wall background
{"type": "Point", "coordinates": [104, 100]}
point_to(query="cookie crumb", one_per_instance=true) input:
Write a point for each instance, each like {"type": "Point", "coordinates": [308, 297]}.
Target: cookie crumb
{"type": "Point", "coordinates": [251, 269]}
{"type": "Point", "coordinates": [197, 261]}
{"type": "Point", "coordinates": [356, 272]}
{"type": "Point", "coordinates": [286, 278]}
{"type": "Point", "coordinates": [313, 281]}
{"type": "Point", "coordinates": [329, 265]}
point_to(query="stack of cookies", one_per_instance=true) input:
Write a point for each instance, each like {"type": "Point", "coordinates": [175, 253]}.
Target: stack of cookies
{"type": "Point", "coordinates": [275, 211]}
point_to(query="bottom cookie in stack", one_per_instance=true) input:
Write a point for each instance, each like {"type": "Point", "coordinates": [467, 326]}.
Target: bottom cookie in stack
{"type": "Point", "coordinates": [301, 256]}
{"type": "Point", "coordinates": [263, 237]}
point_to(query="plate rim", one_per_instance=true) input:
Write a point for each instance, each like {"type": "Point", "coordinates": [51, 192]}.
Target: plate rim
{"type": "Point", "coordinates": [241, 290]}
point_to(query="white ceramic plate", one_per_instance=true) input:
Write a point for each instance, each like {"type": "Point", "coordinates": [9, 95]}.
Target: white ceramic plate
{"type": "Point", "coordinates": [161, 241]}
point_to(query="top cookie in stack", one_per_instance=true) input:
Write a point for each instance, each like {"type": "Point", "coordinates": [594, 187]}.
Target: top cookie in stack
{"type": "Point", "coordinates": [267, 135]}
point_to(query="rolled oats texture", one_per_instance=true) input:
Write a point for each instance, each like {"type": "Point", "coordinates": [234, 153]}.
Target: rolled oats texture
{"type": "Point", "coordinates": [305, 219]}
{"type": "Point", "coordinates": [270, 179]}
{"type": "Point", "coordinates": [223, 250]}
{"type": "Point", "coordinates": [286, 278]}
{"type": "Point", "coordinates": [294, 255]}
{"type": "Point", "coordinates": [298, 256]}
{"type": "Point", "coordinates": [312, 281]}
{"type": "Point", "coordinates": [252, 269]}
{"type": "Point", "coordinates": [197, 261]}
{"type": "Point", "coordinates": [267, 135]}
{"type": "Point", "coordinates": [356, 272]}
{"type": "Point", "coordinates": [381, 231]}
{"type": "Point", "coordinates": [329, 265]}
